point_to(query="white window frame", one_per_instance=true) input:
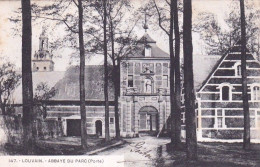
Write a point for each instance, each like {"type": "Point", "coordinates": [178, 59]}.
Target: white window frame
{"type": "Point", "coordinates": [252, 91]}
{"type": "Point", "coordinates": [235, 68]}
{"type": "Point", "coordinates": [220, 91]}
{"type": "Point", "coordinates": [148, 51]}
{"type": "Point", "coordinates": [222, 117]}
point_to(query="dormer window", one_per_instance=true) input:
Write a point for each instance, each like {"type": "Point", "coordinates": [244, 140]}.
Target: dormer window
{"type": "Point", "coordinates": [225, 92]}
{"type": "Point", "coordinates": [255, 92]}
{"type": "Point", "coordinates": [148, 51]}
{"type": "Point", "coordinates": [237, 68]}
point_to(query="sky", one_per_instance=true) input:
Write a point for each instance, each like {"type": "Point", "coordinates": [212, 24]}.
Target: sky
{"type": "Point", "coordinates": [10, 44]}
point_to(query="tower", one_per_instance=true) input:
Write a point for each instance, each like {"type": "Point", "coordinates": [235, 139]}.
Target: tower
{"type": "Point", "coordinates": [42, 59]}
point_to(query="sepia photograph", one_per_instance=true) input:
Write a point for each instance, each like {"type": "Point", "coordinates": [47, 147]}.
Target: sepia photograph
{"type": "Point", "coordinates": [130, 83]}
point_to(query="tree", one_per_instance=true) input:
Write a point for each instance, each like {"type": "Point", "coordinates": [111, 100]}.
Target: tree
{"type": "Point", "coordinates": [168, 21]}
{"type": "Point", "coordinates": [107, 136]}
{"type": "Point", "coordinates": [56, 12]}
{"type": "Point", "coordinates": [27, 90]}
{"type": "Point", "coordinates": [9, 80]}
{"type": "Point", "coordinates": [82, 77]}
{"type": "Point", "coordinates": [124, 43]}
{"type": "Point", "coordinates": [177, 71]}
{"type": "Point", "coordinates": [219, 38]}
{"type": "Point", "coordinates": [189, 95]}
{"type": "Point", "coordinates": [43, 93]}
{"type": "Point", "coordinates": [246, 138]}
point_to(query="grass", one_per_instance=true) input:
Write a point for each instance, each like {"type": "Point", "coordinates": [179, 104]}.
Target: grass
{"type": "Point", "coordinates": [218, 155]}
{"type": "Point", "coordinates": [60, 146]}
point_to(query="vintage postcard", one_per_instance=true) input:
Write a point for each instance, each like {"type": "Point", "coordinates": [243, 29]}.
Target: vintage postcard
{"type": "Point", "coordinates": [129, 83]}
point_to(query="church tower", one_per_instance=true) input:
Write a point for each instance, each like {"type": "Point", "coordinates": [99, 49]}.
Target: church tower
{"type": "Point", "coordinates": [42, 59]}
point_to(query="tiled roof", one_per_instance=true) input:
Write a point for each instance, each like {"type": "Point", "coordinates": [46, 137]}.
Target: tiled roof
{"type": "Point", "coordinates": [67, 84]}
{"type": "Point", "coordinates": [155, 50]}
{"type": "Point", "coordinates": [234, 53]}
{"type": "Point", "coordinates": [51, 78]}
{"type": "Point", "coordinates": [202, 66]}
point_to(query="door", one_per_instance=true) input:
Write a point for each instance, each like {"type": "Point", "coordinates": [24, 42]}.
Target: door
{"type": "Point", "coordinates": [73, 127]}
{"type": "Point", "coordinates": [98, 125]}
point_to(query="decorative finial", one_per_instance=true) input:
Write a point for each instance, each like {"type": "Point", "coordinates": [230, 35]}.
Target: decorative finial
{"type": "Point", "coordinates": [44, 28]}
{"type": "Point", "coordinates": [145, 26]}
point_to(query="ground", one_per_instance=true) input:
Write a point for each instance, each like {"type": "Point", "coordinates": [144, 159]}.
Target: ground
{"type": "Point", "coordinates": [152, 151]}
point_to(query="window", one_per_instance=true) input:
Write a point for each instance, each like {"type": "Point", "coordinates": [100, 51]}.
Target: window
{"type": "Point", "coordinates": [220, 119]}
{"type": "Point", "coordinates": [219, 122]}
{"type": "Point", "coordinates": [165, 81]}
{"type": "Point", "coordinates": [130, 81]}
{"type": "Point", "coordinates": [225, 93]}
{"type": "Point", "coordinates": [148, 51]}
{"type": "Point", "coordinates": [44, 68]}
{"type": "Point", "coordinates": [37, 68]}
{"type": "Point", "coordinates": [239, 70]}
{"type": "Point", "coordinates": [111, 120]}
{"type": "Point", "coordinates": [255, 93]}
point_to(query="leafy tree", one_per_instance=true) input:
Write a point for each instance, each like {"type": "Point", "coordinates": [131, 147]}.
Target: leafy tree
{"type": "Point", "coordinates": [219, 38]}
{"type": "Point", "coordinates": [189, 94]}
{"type": "Point", "coordinates": [9, 80]}
{"type": "Point", "coordinates": [43, 93]}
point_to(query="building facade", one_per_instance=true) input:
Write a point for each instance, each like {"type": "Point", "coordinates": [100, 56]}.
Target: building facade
{"type": "Point", "coordinates": [220, 105]}
{"type": "Point", "coordinates": [144, 80]}
{"type": "Point", "coordinates": [144, 102]}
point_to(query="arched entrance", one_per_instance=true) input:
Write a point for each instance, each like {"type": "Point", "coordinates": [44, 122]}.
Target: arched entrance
{"type": "Point", "coordinates": [148, 119]}
{"type": "Point", "coordinates": [98, 125]}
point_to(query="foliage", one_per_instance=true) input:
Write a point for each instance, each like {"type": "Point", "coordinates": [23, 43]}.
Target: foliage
{"type": "Point", "coordinates": [219, 38]}
{"type": "Point", "coordinates": [9, 80]}
{"type": "Point", "coordinates": [42, 93]}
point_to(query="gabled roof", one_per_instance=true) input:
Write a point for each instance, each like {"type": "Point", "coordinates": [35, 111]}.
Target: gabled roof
{"type": "Point", "coordinates": [147, 38]}
{"type": "Point", "coordinates": [202, 65]}
{"type": "Point", "coordinates": [234, 53]}
{"type": "Point", "coordinates": [155, 50]}
{"type": "Point", "coordinates": [67, 84]}
{"type": "Point", "coordinates": [51, 78]}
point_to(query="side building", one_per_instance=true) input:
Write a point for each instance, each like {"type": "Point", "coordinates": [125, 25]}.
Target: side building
{"type": "Point", "coordinates": [220, 106]}
{"type": "Point", "coordinates": [63, 109]}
